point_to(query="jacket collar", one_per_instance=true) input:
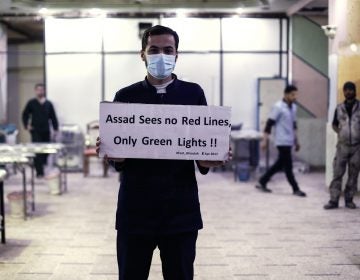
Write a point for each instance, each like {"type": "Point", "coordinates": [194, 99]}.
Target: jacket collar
{"type": "Point", "coordinates": [355, 106]}
{"type": "Point", "coordinates": [147, 85]}
{"type": "Point", "coordinates": [288, 105]}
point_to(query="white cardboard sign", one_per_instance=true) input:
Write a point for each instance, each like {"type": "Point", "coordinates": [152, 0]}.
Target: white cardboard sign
{"type": "Point", "coordinates": [129, 130]}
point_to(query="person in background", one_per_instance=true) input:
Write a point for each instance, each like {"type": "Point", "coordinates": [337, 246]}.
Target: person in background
{"type": "Point", "coordinates": [158, 203]}
{"type": "Point", "coordinates": [36, 119]}
{"type": "Point", "coordinates": [346, 124]}
{"type": "Point", "coordinates": [283, 117]}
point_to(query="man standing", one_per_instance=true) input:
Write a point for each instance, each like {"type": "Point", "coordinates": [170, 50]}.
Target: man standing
{"type": "Point", "coordinates": [39, 110]}
{"type": "Point", "coordinates": [283, 117]}
{"type": "Point", "coordinates": [158, 203]}
{"type": "Point", "coordinates": [346, 124]}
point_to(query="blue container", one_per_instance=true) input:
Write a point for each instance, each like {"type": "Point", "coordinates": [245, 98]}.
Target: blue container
{"type": "Point", "coordinates": [243, 172]}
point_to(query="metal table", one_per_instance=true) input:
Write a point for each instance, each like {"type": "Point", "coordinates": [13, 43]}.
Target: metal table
{"type": "Point", "coordinates": [23, 154]}
{"type": "Point", "coordinates": [48, 148]}
{"type": "Point", "coordinates": [30, 149]}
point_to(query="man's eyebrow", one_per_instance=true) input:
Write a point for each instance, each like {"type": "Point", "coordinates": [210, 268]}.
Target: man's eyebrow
{"type": "Point", "coordinates": [156, 47]}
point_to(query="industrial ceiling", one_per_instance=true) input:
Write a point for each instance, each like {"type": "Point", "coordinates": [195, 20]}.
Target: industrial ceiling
{"type": "Point", "coordinates": [24, 18]}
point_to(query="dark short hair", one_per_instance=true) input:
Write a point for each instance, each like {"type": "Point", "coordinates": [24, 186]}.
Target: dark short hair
{"type": "Point", "coordinates": [350, 86]}
{"type": "Point", "coordinates": [290, 88]}
{"type": "Point", "coordinates": [39, 85]}
{"type": "Point", "coordinates": [158, 30]}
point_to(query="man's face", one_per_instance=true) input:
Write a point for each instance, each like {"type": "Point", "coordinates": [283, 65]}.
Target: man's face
{"type": "Point", "coordinates": [349, 94]}
{"type": "Point", "coordinates": [291, 97]}
{"type": "Point", "coordinates": [40, 91]}
{"type": "Point", "coordinates": [157, 44]}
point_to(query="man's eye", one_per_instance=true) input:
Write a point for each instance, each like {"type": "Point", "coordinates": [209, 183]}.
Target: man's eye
{"type": "Point", "coordinates": [168, 51]}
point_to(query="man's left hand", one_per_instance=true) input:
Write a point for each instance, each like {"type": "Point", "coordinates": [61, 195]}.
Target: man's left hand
{"type": "Point", "coordinates": [215, 163]}
{"type": "Point", "coordinates": [54, 136]}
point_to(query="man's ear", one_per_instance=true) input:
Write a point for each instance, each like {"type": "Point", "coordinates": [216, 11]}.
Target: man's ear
{"type": "Point", "coordinates": [142, 54]}
{"type": "Point", "coordinates": [176, 56]}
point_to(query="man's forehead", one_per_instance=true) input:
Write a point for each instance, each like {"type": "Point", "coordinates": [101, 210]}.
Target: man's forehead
{"type": "Point", "coordinates": [163, 40]}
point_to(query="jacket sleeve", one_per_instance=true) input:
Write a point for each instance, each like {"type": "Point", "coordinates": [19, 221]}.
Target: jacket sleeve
{"type": "Point", "coordinates": [335, 121]}
{"type": "Point", "coordinates": [275, 113]}
{"type": "Point", "coordinates": [269, 124]}
{"type": "Point", "coordinates": [53, 117]}
{"type": "Point", "coordinates": [26, 115]}
{"type": "Point", "coordinates": [202, 100]}
{"type": "Point", "coordinates": [117, 166]}
{"type": "Point", "coordinates": [203, 170]}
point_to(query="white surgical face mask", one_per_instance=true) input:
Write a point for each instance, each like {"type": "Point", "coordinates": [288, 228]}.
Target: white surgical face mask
{"type": "Point", "coordinates": [160, 66]}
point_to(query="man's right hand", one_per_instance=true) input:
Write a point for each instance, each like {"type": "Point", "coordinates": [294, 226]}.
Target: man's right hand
{"type": "Point", "coordinates": [265, 142]}
{"type": "Point", "coordinates": [335, 128]}
{"type": "Point", "coordinates": [98, 143]}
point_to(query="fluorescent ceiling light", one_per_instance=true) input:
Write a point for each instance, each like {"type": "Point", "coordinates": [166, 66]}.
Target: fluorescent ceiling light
{"type": "Point", "coordinates": [43, 11]}
{"type": "Point", "coordinates": [239, 10]}
{"type": "Point", "coordinates": [97, 12]}
{"type": "Point", "coordinates": [181, 13]}
{"type": "Point", "coordinates": [353, 47]}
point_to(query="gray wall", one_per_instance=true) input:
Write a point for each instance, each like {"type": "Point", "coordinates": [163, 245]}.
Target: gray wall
{"type": "Point", "coordinates": [312, 138]}
{"type": "Point", "coordinates": [25, 69]}
{"type": "Point", "coordinates": [225, 64]}
{"type": "Point", "coordinates": [3, 74]}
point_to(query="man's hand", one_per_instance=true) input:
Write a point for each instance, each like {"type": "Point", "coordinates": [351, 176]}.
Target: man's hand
{"type": "Point", "coordinates": [215, 163]}
{"type": "Point", "coordinates": [297, 145]}
{"type": "Point", "coordinates": [54, 136]}
{"type": "Point", "coordinates": [335, 128]}
{"type": "Point", "coordinates": [265, 142]}
{"type": "Point", "coordinates": [98, 143]}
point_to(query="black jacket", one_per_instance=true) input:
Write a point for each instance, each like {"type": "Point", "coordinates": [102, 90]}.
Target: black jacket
{"type": "Point", "coordinates": [40, 115]}
{"type": "Point", "coordinates": [159, 196]}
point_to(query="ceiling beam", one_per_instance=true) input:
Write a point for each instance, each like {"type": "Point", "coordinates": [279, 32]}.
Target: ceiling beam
{"type": "Point", "coordinates": [136, 4]}
{"type": "Point", "coordinates": [25, 33]}
{"type": "Point", "coordinates": [297, 7]}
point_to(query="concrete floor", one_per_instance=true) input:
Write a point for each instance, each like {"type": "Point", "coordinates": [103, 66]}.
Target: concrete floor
{"type": "Point", "coordinates": [247, 234]}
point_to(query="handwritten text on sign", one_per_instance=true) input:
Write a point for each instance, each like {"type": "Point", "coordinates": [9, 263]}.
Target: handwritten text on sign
{"type": "Point", "coordinates": [164, 131]}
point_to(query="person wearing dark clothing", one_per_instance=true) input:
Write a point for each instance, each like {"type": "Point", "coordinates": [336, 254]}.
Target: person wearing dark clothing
{"type": "Point", "coordinates": [158, 203]}
{"type": "Point", "coordinates": [174, 179]}
{"type": "Point", "coordinates": [36, 116]}
{"type": "Point", "coordinates": [346, 124]}
{"type": "Point", "coordinates": [283, 117]}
